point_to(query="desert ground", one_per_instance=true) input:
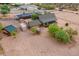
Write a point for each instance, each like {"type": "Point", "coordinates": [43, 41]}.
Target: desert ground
{"type": "Point", "coordinates": [26, 44]}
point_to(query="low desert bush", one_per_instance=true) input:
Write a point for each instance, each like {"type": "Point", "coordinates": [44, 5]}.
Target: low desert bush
{"type": "Point", "coordinates": [1, 50]}
{"type": "Point", "coordinates": [33, 29]}
{"type": "Point", "coordinates": [13, 33]}
{"type": "Point", "coordinates": [61, 34]}
{"type": "Point", "coordinates": [1, 27]}
{"type": "Point", "coordinates": [71, 32]}
{"type": "Point", "coordinates": [66, 24]}
{"type": "Point", "coordinates": [53, 28]}
{"type": "Point", "coordinates": [75, 32]}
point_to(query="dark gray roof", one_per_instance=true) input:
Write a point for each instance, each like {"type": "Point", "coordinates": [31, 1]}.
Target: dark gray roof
{"type": "Point", "coordinates": [34, 23]}
{"type": "Point", "coordinates": [50, 17]}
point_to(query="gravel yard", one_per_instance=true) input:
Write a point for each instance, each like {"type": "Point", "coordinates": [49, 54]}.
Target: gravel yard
{"type": "Point", "coordinates": [41, 45]}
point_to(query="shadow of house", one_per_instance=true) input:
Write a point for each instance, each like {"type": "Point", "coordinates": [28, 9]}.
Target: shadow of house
{"type": "Point", "coordinates": [9, 29]}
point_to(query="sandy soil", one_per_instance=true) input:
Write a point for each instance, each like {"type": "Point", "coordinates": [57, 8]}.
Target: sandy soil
{"type": "Point", "coordinates": [39, 45]}
{"type": "Point", "coordinates": [7, 16]}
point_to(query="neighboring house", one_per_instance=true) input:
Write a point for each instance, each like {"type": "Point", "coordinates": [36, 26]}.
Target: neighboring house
{"type": "Point", "coordinates": [28, 7]}
{"type": "Point", "coordinates": [23, 7]}
{"type": "Point", "coordinates": [23, 16]}
{"type": "Point", "coordinates": [47, 19]}
{"type": "Point", "coordinates": [39, 11]}
{"type": "Point", "coordinates": [8, 29]}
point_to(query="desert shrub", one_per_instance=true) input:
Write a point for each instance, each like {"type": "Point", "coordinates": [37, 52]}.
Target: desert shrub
{"type": "Point", "coordinates": [59, 33]}
{"type": "Point", "coordinates": [75, 32]}
{"type": "Point", "coordinates": [34, 16]}
{"type": "Point", "coordinates": [71, 32]}
{"type": "Point", "coordinates": [0, 37]}
{"type": "Point", "coordinates": [74, 9]}
{"type": "Point", "coordinates": [61, 27]}
{"type": "Point", "coordinates": [1, 27]}
{"type": "Point", "coordinates": [13, 33]}
{"type": "Point", "coordinates": [17, 4]}
{"type": "Point", "coordinates": [53, 28]}
{"type": "Point", "coordinates": [48, 7]}
{"type": "Point", "coordinates": [1, 50]}
{"type": "Point", "coordinates": [33, 29]}
{"type": "Point", "coordinates": [66, 24]}
{"type": "Point", "coordinates": [62, 36]}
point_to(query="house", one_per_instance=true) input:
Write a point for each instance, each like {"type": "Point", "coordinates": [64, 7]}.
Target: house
{"type": "Point", "coordinates": [8, 29]}
{"type": "Point", "coordinates": [23, 7]}
{"type": "Point", "coordinates": [23, 16]}
{"type": "Point", "coordinates": [47, 19]}
{"type": "Point", "coordinates": [28, 7]}
{"type": "Point", "coordinates": [39, 11]}
{"type": "Point", "coordinates": [44, 20]}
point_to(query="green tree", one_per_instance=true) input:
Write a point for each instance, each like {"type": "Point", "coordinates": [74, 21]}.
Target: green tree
{"type": "Point", "coordinates": [5, 9]}
{"type": "Point", "coordinates": [58, 33]}
{"type": "Point", "coordinates": [47, 6]}
{"type": "Point", "coordinates": [34, 16]}
{"type": "Point", "coordinates": [62, 36]}
{"type": "Point", "coordinates": [53, 28]}
{"type": "Point", "coordinates": [17, 4]}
